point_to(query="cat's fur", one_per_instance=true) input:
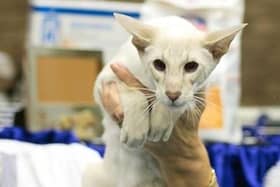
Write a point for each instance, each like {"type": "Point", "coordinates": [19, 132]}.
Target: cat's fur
{"type": "Point", "coordinates": [176, 42]}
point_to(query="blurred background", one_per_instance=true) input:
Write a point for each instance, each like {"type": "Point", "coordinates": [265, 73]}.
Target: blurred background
{"type": "Point", "coordinates": [260, 47]}
{"type": "Point", "coordinates": [52, 50]}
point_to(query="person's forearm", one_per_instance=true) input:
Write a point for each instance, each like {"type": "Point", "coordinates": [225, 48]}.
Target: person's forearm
{"type": "Point", "coordinates": [190, 168]}
{"type": "Point", "coordinates": [183, 158]}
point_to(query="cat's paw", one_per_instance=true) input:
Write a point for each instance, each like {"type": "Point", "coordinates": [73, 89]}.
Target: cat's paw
{"type": "Point", "coordinates": [134, 133]}
{"type": "Point", "coordinates": [160, 132]}
{"type": "Point", "coordinates": [161, 124]}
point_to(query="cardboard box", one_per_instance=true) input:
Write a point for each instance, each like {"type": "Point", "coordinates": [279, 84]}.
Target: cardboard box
{"type": "Point", "coordinates": [60, 82]}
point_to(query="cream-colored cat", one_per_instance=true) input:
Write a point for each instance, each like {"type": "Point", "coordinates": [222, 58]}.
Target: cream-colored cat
{"type": "Point", "coordinates": [173, 59]}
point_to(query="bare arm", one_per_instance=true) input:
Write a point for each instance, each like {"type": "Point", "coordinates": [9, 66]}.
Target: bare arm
{"type": "Point", "coordinates": [183, 159]}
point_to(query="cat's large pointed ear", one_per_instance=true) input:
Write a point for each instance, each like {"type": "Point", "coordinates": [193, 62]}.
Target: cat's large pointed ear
{"type": "Point", "coordinates": [142, 33]}
{"type": "Point", "coordinates": [219, 42]}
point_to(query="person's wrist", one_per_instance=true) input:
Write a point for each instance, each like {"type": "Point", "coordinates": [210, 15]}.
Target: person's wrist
{"type": "Point", "coordinates": [190, 151]}
{"type": "Point", "coordinates": [192, 163]}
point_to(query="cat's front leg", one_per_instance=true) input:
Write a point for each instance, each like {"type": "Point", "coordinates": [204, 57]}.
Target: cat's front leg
{"type": "Point", "coordinates": [162, 123]}
{"type": "Point", "coordinates": [136, 118]}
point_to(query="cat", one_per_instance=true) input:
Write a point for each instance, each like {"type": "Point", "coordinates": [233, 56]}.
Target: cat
{"type": "Point", "coordinates": [173, 59]}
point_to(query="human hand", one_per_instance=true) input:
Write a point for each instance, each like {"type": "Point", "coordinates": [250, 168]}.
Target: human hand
{"type": "Point", "coordinates": [110, 99]}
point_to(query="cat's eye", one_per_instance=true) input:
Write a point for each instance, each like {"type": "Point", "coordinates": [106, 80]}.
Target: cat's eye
{"type": "Point", "coordinates": [159, 65]}
{"type": "Point", "coordinates": [191, 67]}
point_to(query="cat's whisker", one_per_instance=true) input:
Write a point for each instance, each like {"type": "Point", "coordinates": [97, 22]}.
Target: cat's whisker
{"type": "Point", "coordinates": [200, 104]}
{"type": "Point", "coordinates": [146, 110]}
{"type": "Point", "coordinates": [143, 89]}
{"type": "Point", "coordinates": [151, 101]}
{"type": "Point", "coordinates": [197, 92]}
{"type": "Point", "coordinates": [195, 113]}
{"type": "Point", "coordinates": [150, 96]}
{"type": "Point", "coordinates": [199, 98]}
{"type": "Point", "coordinates": [150, 105]}
{"type": "Point", "coordinates": [212, 104]}
{"type": "Point", "coordinates": [192, 115]}
{"type": "Point", "coordinates": [200, 101]}
{"type": "Point", "coordinates": [205, 102]}
{"type": "Point", "coordinates": [194, 97]}
{"type": "Point", "coordinates": [170, 119]}
{"type": "Point", "coordinates": [188, 114]}
{"type": "Point", "coordinates": [198, 113]}
{"type": "Point", "coordinates": [206, 93]}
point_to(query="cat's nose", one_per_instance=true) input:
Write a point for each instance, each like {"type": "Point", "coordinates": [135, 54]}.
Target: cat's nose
{"type": "Point", "coordinates": [173, 96]}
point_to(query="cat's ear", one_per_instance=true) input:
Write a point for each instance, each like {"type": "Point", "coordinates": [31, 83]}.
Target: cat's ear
{"type": "Point", "coordinates": [142, 33]}
{"type": "Point", "coordinates": [219, 42]}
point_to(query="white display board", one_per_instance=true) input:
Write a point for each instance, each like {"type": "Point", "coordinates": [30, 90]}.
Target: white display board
{"type": "Point", "coordinates": [79, 24]}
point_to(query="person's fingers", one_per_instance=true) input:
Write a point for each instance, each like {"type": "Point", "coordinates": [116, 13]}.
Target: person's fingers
{"type": "Point", "coordinates": [129, 79]}
{"type": "Point", "coordinates": [118, 114]}
{"type": "Point", "coordinates": [116, 102]}
{"type": "Point", "coordinates": [125, 75]}
{"type": "Point", "coordinates": [103, 94]}
{"type": "Point", "coordinates": [106, 95]}
{"type": "Point", "coordinates": [111, 100]}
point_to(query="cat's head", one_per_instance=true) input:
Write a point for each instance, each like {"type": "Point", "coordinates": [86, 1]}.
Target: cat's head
{"type": "Point", "coordinates": [179, 56]}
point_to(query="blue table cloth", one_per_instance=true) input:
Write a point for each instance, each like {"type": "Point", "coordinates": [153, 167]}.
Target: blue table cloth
{"type": "Point", "coordinates": [242, 165]}
{"type": "Point", "coordinates": [235, 165]}
{"type": "Point", "coordinates": [45, 137]}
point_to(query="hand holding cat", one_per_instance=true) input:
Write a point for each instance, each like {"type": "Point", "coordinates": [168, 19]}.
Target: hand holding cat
{"type": "Point", "coordinates": [175, 65]}
{"type": "Point", "coordinates": [110, 94]}
{"type": "Point", "coordinates": [161, 125]}
{"type": "Point", "coordinates": [110, 98]}
{"type": "Point", "coordinates": [183, 150]}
